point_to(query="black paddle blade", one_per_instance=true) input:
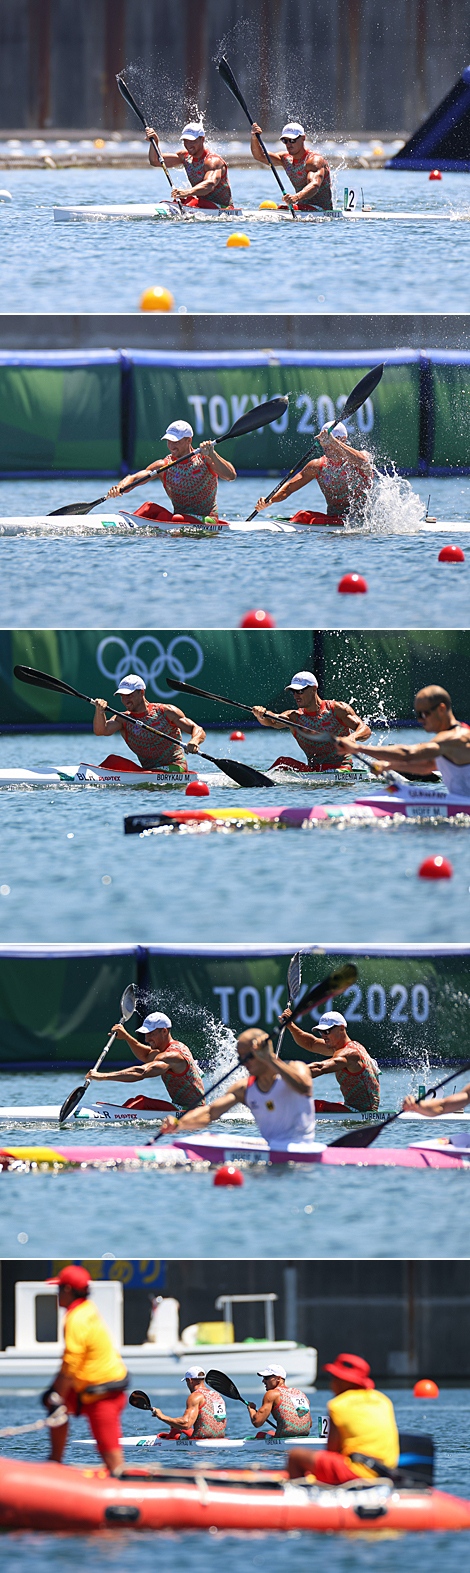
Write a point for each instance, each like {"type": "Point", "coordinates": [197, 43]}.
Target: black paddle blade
{"type": "Point", "coordinates": [70, 1103]}
{"type": "Point", "coordinates": [362, 391]}
{"type": "Point", "coordinates": [139, 1400]}
{"type": "Point", "coordinates": [227, 75]}
{"type": "Point", "coordinates": [127, 96]}
{"type": "Point", "coordinates": [262, 415]}
{"type": "Point", "coordinates": [363, 1136]}
{"type": "Point", "coordinates": [224, 1385]}
{"type": "Point", "coordinates": [28, 674]}
{"type": "Point", "coordinates": [335, 983]}
{"type": "Point", "coordinates": [243, 775]}
{"type": "Point", "coordinates": [76, 507]}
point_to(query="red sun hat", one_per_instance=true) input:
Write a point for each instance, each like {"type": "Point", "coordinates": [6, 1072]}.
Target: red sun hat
{"type": "Point", "coordinates": [77, 1277]}
{"type": "Point", "coordinates": [351, 1368]}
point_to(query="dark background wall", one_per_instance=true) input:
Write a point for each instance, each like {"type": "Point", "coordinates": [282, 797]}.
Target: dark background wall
{"type": "Point", "coordinates": [406, 1318]}
{"type": "Point", "coordinates": [351, 65]}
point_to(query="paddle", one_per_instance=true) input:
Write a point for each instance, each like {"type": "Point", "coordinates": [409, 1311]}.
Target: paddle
{"type": "Point", "coordinates": [74, 1098]}
{"type": "Point", "coordinates": [294, 979]}
{"type": "Point", "coordinates": [358, 396]}
{"type": "Point", "coordinates": [190, 688]}
{"type": "Point", "coordinates": [127, 96]}
{"type": "Point", "coordinates": [243, 775]}
{"type": "Point", "coordinates": [223, 1384]}
{"type": "Point", "coordinates": [365, 1136]}
{"type": "Point", "coordinates": [140, 1400]}
{"type": "Point", "coordinates": [253, 420]}
{"type": "Point", "coordinates": [228, 77]}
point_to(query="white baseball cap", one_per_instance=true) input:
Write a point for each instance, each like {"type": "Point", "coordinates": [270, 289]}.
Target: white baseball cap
{"type": "Point", "coordinates": [192, 1373]}
{"type": "Point", "coordinates": [177, 430]}
{"type": "Point", "coordinates": [292, 129]}
{"type": "Point", "coordinates": [154, 1021]}
{"type": "Point", "coordinates": [272, 1370]}
{"type": "Point", "coordinates": [331, 1018]}
{"type": "Point", "coordinates": [302, 680]}
{"type": "Point", "coordinates": [130, 684]}
{"type": "Point", "coordinates": [192, 131]}
{"type": "Point", "coordinates": [339, 431]}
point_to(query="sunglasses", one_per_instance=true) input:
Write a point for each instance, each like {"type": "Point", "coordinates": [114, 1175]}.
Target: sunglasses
{"type": "Point", "coordinates": [251, 1053]}
{"type": "Point", "coordinates": [422, 713]}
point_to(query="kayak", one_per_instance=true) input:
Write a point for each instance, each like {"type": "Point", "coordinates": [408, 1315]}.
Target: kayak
{"type": "Point", "coordinates": [195, 1149]}
{"type": "Point", "coordinates": [417, 801]}
{"type": "Point", "coordinates": [95, 213]}
{"type": "Point", "coordinates": [125, 772]}
{"type": "Point", "coordinates": [48, 1113]}
{"type": "Point", "coordinates": [157, 1440]}
{"type": "Point", "coordinates": [122, 523]}
{"type": "Point", "coordinates": [47, 1496]}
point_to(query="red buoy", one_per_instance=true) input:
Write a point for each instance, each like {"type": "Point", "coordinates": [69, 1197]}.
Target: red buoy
{"type": "Point", "coordinates": [451, 554]}
{"type": "Point", "coordinates": [435, 174]}
{"type": "Point", "coordinates": [197, 789]}
{"type": "Point", "coordinates": [228, 1174]}
{"type": "Point", "coordinates": [352, 584]}
{"type": "Point", "coordinates": [257, 619]}
{"type": "Point", "coordinates": [425, 1388]}
{"type": "Point", "coordinates": [237, 737]}
{"type": "Point", "coordinates": [435, 868]}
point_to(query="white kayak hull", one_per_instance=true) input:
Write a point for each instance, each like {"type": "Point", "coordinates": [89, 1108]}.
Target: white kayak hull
{"type": "Point", "coordinates": [125, 523]}
{"type": "Point", "coordinates": [153, 1440]}
{"type": "Point", "coordinates": [101, 775]}
{"type": "Point", "coordinates": [158, 211]}
{"type": "Point", "coordinates": [108, 1113]}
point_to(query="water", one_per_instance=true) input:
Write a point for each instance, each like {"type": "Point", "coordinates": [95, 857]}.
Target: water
{"type": "Point", "coordinates": [68, 870]}
{"type": "Point", "coordinates": [446, 1418]}
{"type": "Point", "coordinates": [99, 581]}
{"type": "Point", "coordinates": [329, 267]}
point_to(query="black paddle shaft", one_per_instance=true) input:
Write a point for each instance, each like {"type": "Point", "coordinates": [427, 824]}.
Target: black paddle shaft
{"type": "Point", "coordinates": [243, 775]}
{"type": "Point", "coordinates": [190, 688]}
{"type": "Point", "coordinates": [227, 75]}
{"type": "Point", "coordinates": [365, 1137]}
{"type": "Point", "coordinates": [358, 396]}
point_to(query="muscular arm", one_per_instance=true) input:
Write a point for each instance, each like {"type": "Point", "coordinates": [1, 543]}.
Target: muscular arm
{"type": "Point", "coordinates": [342, 450]}
{"type": "Point", "coordinates": [397, 754]}
{"type": "Point", "coordinates": [258, 1416]}
{"type": "Point", "coordinates": [257, 151]}
{"type": "Point", "coordinates": [102, 727]}
{"type": "Point", "coordinates": [303, 478]}
{"type": "Point", "coordinates": [358, 729]}
{"type": "Point", "coordinates": [199, 1119]}
{"type": "Point", "coordinates": [173, 713]}
{"type": "Point", "coordinates": [219, 466]}
{"type": "Point", "coordinates": [186, 1421]}
{"type": "Point", "coordinates": [454, 1104]}
{"type": "Point", "coordinates": [347, 1057]}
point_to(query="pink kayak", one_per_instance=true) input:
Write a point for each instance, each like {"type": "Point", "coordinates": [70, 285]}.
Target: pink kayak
{"type": "Point", "coordinates": [183, 1152]}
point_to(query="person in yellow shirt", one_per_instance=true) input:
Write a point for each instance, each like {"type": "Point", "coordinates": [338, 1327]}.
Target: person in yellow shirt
{"type": "Point", "coordinates": [92, 1378]}
{"type": "Point", "coordinates": [363, 1429]}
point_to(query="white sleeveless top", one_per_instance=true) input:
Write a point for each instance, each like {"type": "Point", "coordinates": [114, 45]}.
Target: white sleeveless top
{"type": "Point", "coordinates": [281, 1114]}
{"type": "Point", "coordinates": [455, 777]}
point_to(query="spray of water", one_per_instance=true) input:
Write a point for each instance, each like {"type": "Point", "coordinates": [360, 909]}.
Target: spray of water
{"type": "Point", "coordinates": [392, 507]}
{"type": "Point", "coordinates": [189, 1018]}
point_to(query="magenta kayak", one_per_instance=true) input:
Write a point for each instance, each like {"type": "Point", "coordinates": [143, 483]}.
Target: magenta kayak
{"type": "Point", "coordinates": [184, 1152]}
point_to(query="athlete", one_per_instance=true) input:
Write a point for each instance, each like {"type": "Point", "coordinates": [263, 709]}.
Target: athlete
{"type": "Point", "coordinates": [92, 1379]}
{"type": "Point", "coordinates": [153, 753]}
{"type": "Point", "coordinates": [355, 1070]}
{"type": "Point", "coordinates": [279, 1094]}
{"type": "Point", "coordinates": [163, 1056]}
{"type": "Point", "coordinates": [189, 478]}
{"type": "Point", "coordinates": [308, 172]}
{"type": "Point", "coordinates": [363, 1429]}
{"type": "Point", "coordinates": [344, 475]}
{"type": "Point", "coordinates": [455, 1103]}
{"type": "Point", "coordinates": [206, 171]}
{"type": "Point", "coordinates": [315, 724]}
{"type": "Point", "coordinates": [447, 750]}
{"type": "Point", "coordinates": [288, 1406]}
{"type": "Point", "coordinates": [205, 1414]}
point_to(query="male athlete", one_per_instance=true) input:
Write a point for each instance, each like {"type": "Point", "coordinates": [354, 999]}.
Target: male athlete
{"type": "Point", "coordinates": [205, 1414]}
{"type": "Point", "coordinates": [278, 1092]}
{"type": "Point", "coordinates": [344, 475]}
{"type": "Point", "coordinates": [163, 1056]}
{"type": "Point", "coordinates": [363, 1429]}
{"type": "Point", "coordinates": [316, 724]}
{"type": "Point", "coordinates": [189, 478]}
{"type": "Point", "coordinates": [447, 750]}
{"type": "Point", "coordinates": [308, 172]}
{"type": "Point", "coordinates": [153, 753]}
{"type": "Point", "coordinates": [206, 171]}
{"type": "Point", "coordinates": [454, 1103]}
{"type": "Point", "coordinates": [355, 1070]}
{"type": "Point", "coordinates": [288, 1406]}
{"type": "Point", "coordinates": [92, 1379]}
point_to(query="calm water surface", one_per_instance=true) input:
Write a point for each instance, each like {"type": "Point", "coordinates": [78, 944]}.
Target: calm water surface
{"type": "Point", "coordinates": [329, 266]}
{"type": "Point", "coordinates": [99, 581]}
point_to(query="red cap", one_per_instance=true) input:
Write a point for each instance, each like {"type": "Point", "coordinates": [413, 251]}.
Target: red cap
{"type": "Point", "coordinates": [351, 1368]}
{"type": "Point", "coordinates": [77, 1277]}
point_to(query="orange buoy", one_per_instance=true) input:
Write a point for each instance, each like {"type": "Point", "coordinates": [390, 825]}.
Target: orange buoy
{"type": "Point", "coordinates": [257, 619]}
{"type": "Point", "coordinates": [352, 584]}
{"type": "Point", "coordinates": [451, 554]}
{"type": "Point", "coordinates": [435, 868]}
{"type": "Point", "coordinates": [435, 174]}
{"type": "Point", "coordinates": [98, 142]}
{"type": "Point", "coordinates": [156, 298]}
{"type": "Point", "coordinates": [425, 1388]}
{"type": "Point", "coordinates": [237, 737]}
{"type": "Point", "coordinates": [197, 789]}
{"type": "Point", "coordinates": [238, 240]}
{"type": "Point", "coordinates": [228, 1174]}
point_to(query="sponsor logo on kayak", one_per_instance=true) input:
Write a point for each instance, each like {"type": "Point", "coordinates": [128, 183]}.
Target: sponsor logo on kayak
{"type": "Point", "coordinates": [136, 660]}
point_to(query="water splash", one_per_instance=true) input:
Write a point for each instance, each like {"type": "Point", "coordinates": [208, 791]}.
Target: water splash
{"type": "Point", "coordinates": [392, 507]}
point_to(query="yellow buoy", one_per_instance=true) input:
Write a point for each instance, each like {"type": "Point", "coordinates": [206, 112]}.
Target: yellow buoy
{"type": "Point", "coordinates": [267, 205]}
{"type": "Point", "coordinates": [238, 240]}
{"type": "Point", "coordinates": [156, 299]}
{"type": "Point", "coordinates": [377, 150]}
{"type": "Point", "coordinates": [98, 142]}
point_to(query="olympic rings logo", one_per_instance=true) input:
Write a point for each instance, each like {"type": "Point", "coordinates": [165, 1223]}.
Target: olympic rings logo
{"type": "Point", "coordinates": [131, 661]}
